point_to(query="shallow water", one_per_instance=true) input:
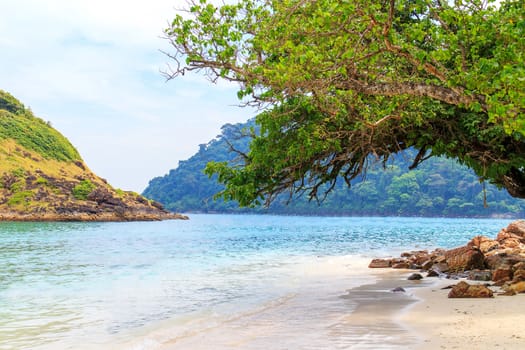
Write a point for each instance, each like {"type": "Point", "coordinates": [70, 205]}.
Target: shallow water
{"type": "Point", "coordinates": [215, 281]}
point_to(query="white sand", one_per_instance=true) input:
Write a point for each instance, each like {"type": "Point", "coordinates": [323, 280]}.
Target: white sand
{"type": "Point", "coordinates": [443, 323]}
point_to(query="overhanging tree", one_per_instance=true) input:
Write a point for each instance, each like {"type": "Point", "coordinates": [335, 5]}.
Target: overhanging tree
{"type": "Point", "coordinates": [343, 83]}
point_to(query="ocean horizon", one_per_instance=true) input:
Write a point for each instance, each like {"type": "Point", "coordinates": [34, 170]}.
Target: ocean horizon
{"type": "Point", "coordinates": [214, 281]}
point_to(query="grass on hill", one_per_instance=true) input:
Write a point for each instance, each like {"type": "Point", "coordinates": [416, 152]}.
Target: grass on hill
{"type": "Point", "coordinates": [19, 124]}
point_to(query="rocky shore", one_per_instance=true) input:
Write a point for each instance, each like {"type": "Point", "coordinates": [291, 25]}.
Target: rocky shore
{"type": "Point", "coordinates": [37, 196]}
{"type": "Point", "coordinates": [129, 215]}
{"type": "Point", "coordinates": [497, 265]}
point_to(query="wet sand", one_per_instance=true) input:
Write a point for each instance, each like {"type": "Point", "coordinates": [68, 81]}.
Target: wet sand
{"type": "Point", "coordinates": [422, 317]}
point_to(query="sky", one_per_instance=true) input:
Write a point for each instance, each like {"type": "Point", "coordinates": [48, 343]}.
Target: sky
{"type": "Point", "coordinates": [93, 68]}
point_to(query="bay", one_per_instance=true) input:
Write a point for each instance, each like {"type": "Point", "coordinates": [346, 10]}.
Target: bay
{"type": "Point", "coordinates": [143, 285]}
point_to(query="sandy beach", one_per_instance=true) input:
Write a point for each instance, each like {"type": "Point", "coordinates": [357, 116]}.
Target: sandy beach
{"type": "Point", "coordinates": [443, 323]}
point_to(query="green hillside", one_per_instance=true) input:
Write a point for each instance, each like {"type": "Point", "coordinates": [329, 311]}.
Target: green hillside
{"type": "Point", "coordinates": [20, 125]}
{"type": "Point", "coordinates": [438, 187]}
{"type": "Point", "coordinates": [43, 177]}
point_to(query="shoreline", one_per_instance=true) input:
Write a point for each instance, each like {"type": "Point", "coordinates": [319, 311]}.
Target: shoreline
{"type": "Point", "coordinates": [483, 323]}
{"type": "Point", "coordinates": [92, 217]}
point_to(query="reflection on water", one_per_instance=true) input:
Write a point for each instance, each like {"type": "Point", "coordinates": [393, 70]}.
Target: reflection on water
{"type": "Point", "coordinates": [93, 285]}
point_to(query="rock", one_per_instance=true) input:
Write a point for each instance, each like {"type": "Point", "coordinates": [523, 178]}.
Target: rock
{"type": "Point", "coordinates": [519, 266]}
{"type": "Point", "coordinates": [518, 287]}
{"type": "Point", "coordinates": [420, 257]}
{"type": "Point", "coordinates": [415, 277]}
{"type": "Point", "coordinates": [157, 205]}
{"type": "Point", "coordinates": [380, 263]}
{"type": "Point", "coordinates": [484, 244]}
{"type": "Point", "coordinates": [464, 258]}
{"type": "Point", "coordinates": [465, 290]}
{"type": "Point", "coordinates": [517, 227]}
{"type": "Point", "coordinates": [440, 267]}
{"type": "Point", "coordinates": [400, 265]}
{"type": "Point", "coordinates": [493, 261]}
{"type": "Point", "coordinates": [509, 292]}
{"type": "Point", "coordinates": [518, 275]}
{"type": "Point", "coordinates": [511, 242]}
{"type": "Point", "coordinates": [440, 259]}
{"type": "Point", "coordinates": [398, 290]}
{"type": "Point", "coordinates": [432, 273]}
{"type": "Point", "coordinates": [502, 272]}
{"type": "Point", "coordinates": [427, 265]}
{"type": "Point", "coordinates": [480, 275]}
{"type": "Point", "coordinates": [501, 282]}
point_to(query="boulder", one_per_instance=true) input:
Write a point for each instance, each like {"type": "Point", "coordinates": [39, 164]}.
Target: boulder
{"type": "Point", "coordinates": [400, 265]}
{"type": "Point", "coordinates": [464, 258]}
{"type": "Point", "coordinates": [465, 290]}
{"type": "Point", "coordinates": [415, 277]}
{"type": "Point", "coordinates": [510, 242]}
{"type": "Point", "coordinates": [518, 275]}
{"type": "Point", "coordinates": [432, 273]}
{"type": "Point", "coordinates": [518, 287]}
{"type": "Point", "coordinates": [493, 261]}
{"type": "Point", "coordinates": [380, 263]}
{"type": "Point", "coordinates": [440, 267]}
{"type": "Point", "coordinates": [427, 265]}
{"type": "Point", "coordinates": [503, 272]}
{"type": "Point", "coordinates": [484, 244]}
{"type": "Point", "coordinates": [517, 227]}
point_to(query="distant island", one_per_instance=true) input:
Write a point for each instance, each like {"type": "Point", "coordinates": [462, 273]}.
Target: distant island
{"type": "Point", "coordinates": [43, 177]}
{"type": "Point", "coordinates": [437, 187]}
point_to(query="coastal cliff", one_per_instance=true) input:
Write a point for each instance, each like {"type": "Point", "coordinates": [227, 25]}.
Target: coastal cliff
{"type": "Point", "coordinates": [43, 177]}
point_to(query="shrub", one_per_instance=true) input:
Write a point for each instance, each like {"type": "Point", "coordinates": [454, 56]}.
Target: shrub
{"type": "Point", "coordinates": [20, 198]}
{"type": "Point", "coordinates": [83, 189]}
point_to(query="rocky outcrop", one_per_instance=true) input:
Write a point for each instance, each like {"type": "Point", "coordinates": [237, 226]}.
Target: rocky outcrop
{"type": "Point", "coordinates": [465, 290]}
{"type": "Point", "coordinates": [464, 258]}
{"type": "Point", "coordinates": [37, 196]}
{"type": "Point", "coordinates": [500, 261]}
{"type": "Point", "coordinates": [43, 177]}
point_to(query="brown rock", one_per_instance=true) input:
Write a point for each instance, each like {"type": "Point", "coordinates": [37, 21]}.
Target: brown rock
{"type": "Point", "coordinates": [380, 263]}
{"type": "Point", "coordinates": [518, 287]}
{"type": "Point", "coordinates": [519, 266]}
{"type": "Point", "coordinates": [501, 282]}
{"type": "Point", "coordinates": [509, 292]}
{"type": "Point", "coordinates": [465, 290]}
{"type": "Point", "coordinates": [427, 265]}
{"type": "Point", "coordinates": [517, 227]}
{"type": "Point", "coordinates": [502, 272]}
{"type": "Point", "coordinates": [400, 265]}
{"type": "Point", "coordinates": [493, 261]}
{"type": "Point", "coordinates": [518, 275]}
{"type": "Point", "coordinates": [440, 267]}
{"type": "Point", "coordinates": [511, 242]}
{"type": "Point", "coordinates": [464, 258]}
{"type": "Point", "coordinates": [504, 234]}
{"type": "Point", "coordinates": [484, 244]}
{"type": "Point", "coordinates": [420, 257]}
{"type": "Point", "coordinates": [440, 259]}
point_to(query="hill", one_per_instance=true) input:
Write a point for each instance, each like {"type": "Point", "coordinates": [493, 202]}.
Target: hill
{"type": "Point", "coordinates": [43, 177]}
{"type": "Point", "coordinates": [438, 187]}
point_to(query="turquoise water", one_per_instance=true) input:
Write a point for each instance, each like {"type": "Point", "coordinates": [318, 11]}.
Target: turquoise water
{"type": "Point", "coordinates": [155, 285]}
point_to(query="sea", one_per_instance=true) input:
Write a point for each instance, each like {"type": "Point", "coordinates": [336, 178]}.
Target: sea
{"type": "Point", "coordinates": [211, 282]}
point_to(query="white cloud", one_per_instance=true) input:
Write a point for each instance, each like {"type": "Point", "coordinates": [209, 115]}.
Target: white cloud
{"type": "Point", "coordinates": [93, 69]}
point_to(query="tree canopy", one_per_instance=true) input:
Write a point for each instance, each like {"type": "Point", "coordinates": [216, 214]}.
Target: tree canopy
{"type": "Point", "coordinates": [344, 82]}
{"type": "Point", "coordinates": [438, 187]}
